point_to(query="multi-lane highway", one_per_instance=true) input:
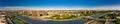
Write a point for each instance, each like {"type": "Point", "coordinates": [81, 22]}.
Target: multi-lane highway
{"type": "Point", "coordinates": [8, 20]}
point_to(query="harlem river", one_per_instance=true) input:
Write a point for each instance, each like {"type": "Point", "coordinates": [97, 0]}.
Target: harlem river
{"type": "Point", "coordinates": [51, 22]}
{"type": "Point", "coordinates": [31, 21]}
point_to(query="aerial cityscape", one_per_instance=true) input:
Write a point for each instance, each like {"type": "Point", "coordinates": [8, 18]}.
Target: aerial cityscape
{"type": "Point", "coordinates": [60, 17]}
{"type": "Point", "coordinates": [59, 11]}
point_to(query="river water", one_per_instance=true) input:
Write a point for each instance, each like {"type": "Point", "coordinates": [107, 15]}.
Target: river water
{"type": "Point", "coordinates": [82, 21]}
{"type": "Point", "coordinates": [51, 22]}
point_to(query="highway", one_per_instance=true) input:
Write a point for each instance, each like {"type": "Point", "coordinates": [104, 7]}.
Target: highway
{"type": "Point", "coordinates": [8, 20]}
{"type": "Point", "coordinates": [107, 19]}
{"type": "Point", "coordinates": [24, 19]}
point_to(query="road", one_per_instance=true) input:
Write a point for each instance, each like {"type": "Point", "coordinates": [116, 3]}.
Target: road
{"type": "Point", "coordinates": [8, 20]}
{"type": "Point", "coordinates": [25, 19]}
{"type": "Point", "coordinates": [107, 19]}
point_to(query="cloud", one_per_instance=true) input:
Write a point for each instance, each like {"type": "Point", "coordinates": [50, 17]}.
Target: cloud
{"type": "Point", "coordinates": [113, 7]}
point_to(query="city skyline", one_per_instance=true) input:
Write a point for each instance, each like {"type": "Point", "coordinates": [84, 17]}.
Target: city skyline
{"type": "Point", "coordinates": [113, 7]}
{"type": "Point", "coordinates": [59, 11]}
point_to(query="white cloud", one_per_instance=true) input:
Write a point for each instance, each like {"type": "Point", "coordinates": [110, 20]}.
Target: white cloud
{"type": "Point", "coordinates": [114, 7]}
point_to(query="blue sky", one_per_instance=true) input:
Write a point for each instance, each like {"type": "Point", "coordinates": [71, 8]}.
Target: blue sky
{"type": "Point", "coordinates": [59, 2]}
{"type": "Point", "coordinates": [66, 3]}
